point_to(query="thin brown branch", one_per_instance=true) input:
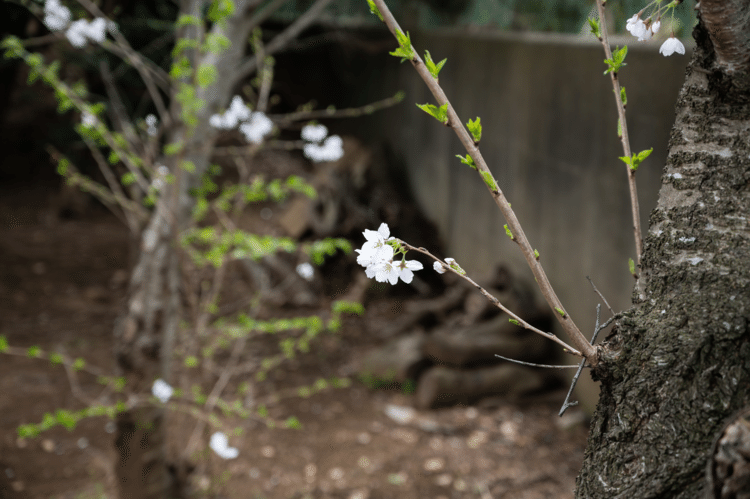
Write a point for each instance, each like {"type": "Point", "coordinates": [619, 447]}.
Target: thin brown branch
{"type": "Point", "coordinates": [522, 323]}
{"type": "Point", "coordinates": [624, 138]}
{"type": "Point", "coordinates": [518, 236]}
{"type": "Point", "coordinates": [250, 65]}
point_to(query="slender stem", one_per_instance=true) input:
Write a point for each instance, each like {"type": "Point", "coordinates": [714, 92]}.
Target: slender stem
{"type": "Point", "coordinates": [577, 338]}
{"type": "Point", "coordinates": [522, 323]}
{"type": "Point", "coordinates": [634, 206]}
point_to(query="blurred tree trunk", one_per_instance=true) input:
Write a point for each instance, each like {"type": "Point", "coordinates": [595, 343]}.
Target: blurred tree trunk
{"type": "Point", "coordinates": [679, 363]}
{"type": "Point", "coordinates": [146, 332]}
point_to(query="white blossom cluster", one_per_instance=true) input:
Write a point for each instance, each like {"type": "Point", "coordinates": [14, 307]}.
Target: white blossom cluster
{"type": "Point", "coordinates": [162, 390]}
{"type": "Point", "coordinates": [376, 256]}
{"type": "Point", "coordinates": [57, 17]}
{"type": "Point", "coordinates": [320, 146]}
{"type": "Point", "coordinates": [254, 126]}
{"type": "Point", "coordinates": [644, 30]}
{"type": "Point", "coordinates": [152, 124]}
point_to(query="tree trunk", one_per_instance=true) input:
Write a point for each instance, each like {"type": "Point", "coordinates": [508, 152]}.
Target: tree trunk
{"type": "Point", "coordinates": [678, 363]}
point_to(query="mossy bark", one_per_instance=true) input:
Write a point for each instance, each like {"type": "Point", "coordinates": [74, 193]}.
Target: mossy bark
{"type": "Point", "coordinates": [678, 364]}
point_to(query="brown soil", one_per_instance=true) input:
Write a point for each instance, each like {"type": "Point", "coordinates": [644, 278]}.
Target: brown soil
{"type": "Point", "coordinates": [61, 287]}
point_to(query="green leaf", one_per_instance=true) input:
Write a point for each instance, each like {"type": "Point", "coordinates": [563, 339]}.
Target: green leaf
{"type": "Point", "coordinates": [509, 233]}
{"type": "Point", "coordinates": [560, 311]}
{"type": "Point", "coordinates": [220, 10]}
{"type": "Point", "coordinates": [79, 364]}
{"type": "Point", "coordinates": [433, 68]}
{"type": "Point", "coordinates": [187, 20]}
{"type": "Point", "coordinates": [173, 148]}
{"type": "Point", "coordinates": [405, 50]}
{"type": "Point", "coordinates": [513, 321]}
{"type": "Point", "coordinates": [623, 97]}
{"type": "Point", "coordinates": [3, 343]}
{"type": "Point", "coordinates": [374, 9]}
{"type": "Point", "coordinates": [487, 177]}
{"type": "Point", "coordinates": [439, 113]}
{"type": "Point", "coordinates": [631, 267]}
{"type": "Point", "coordinates": [468, 160]}
{"type": "Point", "coordinates": [215, 43]}
{"type": "Point", "coordinates": [475, 128]}
{"type": "Point", "coordinates": [207, 75]}
{"type": "Point", "coordinates": [594, 24]}
{"type": "Point", "coordinates": [618, 56]}
{"type": "Point", "coordinates": [536, 254]}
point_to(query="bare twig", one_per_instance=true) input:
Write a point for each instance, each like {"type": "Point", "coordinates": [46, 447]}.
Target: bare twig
{"type": "Point", "coordinates": [533, 364]}
{"type": "Point", "coordinates": [250, 64]}
{"type": "Point", "coordinates": [634, 206]}
{"type": "Point", "coordinates": [514, 226]}
{"type": "Point", "coordinates": [597, 329]}
{"type": "Point", "coordinates": [600, 295]}
{"type": "Point", "coordinates": [496, 302]}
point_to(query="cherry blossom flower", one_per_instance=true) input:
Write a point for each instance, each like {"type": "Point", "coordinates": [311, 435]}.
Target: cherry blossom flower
{"type": "Point", "coordinates": [670, 46]}
{"type": "Point", "coordinates": [151, 123]}
{"type": "Point", "coordinates": [406, 268]}
{"type": "Point", "coordinates": [438, 267]}
{"type": "Point", "coordinates": [375, 250]}
{"type": "Point", "coordinates": [636, 26]}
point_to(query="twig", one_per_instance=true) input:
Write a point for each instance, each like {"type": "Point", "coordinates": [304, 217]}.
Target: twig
{"type": "Point", "coordinates": [496, 302]}
{"type": "Point", "coordinates": [624, 137]}
{"type": "Point", "coordinates": [597, 328]}
{"type": "Point", "coordinates": [532, 364]}
{"type": "Point", "coordinates": [247, 67]}
{"type": "Point", "coordinates": [600, 295]}
{"type": "Point", "coordinates": [514, 226]}
{"type": "Point", "coordinates": [352, 112]}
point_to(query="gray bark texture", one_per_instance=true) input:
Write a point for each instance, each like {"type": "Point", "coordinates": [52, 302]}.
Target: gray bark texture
{"type": "Point", "coordinates": [678, 364]}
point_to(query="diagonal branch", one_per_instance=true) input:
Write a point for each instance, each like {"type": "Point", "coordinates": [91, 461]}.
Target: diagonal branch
{"type": "Point", "coordinates": [514, 226]}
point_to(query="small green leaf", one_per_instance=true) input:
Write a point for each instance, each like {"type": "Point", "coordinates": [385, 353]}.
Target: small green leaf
{"type": "Point", "coordinates": [509, 233]}
{"type": "Point", "coordinates": [405, 50]}
{"type": "Point", "coordinates": [439, 113]}
{"type": "Point", "coordinates": [631, 266]}
{"type": "Point", "coordinates": [487, 177]}
{"type": "Point", "coordinates": [513, 321]}
{"type": "Point", "coordinates": [79, 364]}
{"type": "Point", "coordinates": [374, 9]}
{"type": "Point", "coordinates": [33, 352]}
{"type": "Point", "coordinates": [475, 128]}
{"type": "Point", "coordinates": [187, 20]}
{"type": "Point", "coordinates": [617, 61]}
{"type": "Point", "coordinates": [536, 254]}
{"type": "Point", "coordinates": [293, 423]}
{"type": "Point", "coordinates": [433, 68]}
{"type": "Point", "coordinates": [594, 24]}
{"type": "Point", "coordinates": [468, 160]}
{"type": "Point", "coordinates": [623, 97]}
{"type": "Point", "coordinates": [560, 311]}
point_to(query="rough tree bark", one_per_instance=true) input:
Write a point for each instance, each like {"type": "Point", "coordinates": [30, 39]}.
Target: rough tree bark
{"type": "Point", "coordinates": [678, 363]}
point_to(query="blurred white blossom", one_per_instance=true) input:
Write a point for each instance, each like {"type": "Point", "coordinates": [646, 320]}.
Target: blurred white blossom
{"type": "Point", "coordinates": [257, 128]}
{"type": "Point", "coordinates": [237, 112]}
{"type": "Point", "coordinates": [81, 31]}
{"type": "Point", "coordinates": [220, 445]}
{"type": "Point", "coordinates": [330, 150]}
{"type": "Point", "coordinates": [306, 271]}
{"type": "Point", "coordinates": [88, 120]}
{"type": "Point", "coordinates": [56, 16]}
{"type": "Point", "coordinates": [162, 390]}
{"type": "Point", "coordinates": [151, 122]}
{"type": "Point", "coordinates": [314, 133]}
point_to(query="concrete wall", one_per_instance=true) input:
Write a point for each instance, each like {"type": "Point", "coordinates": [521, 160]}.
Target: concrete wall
{"type": "Point", "coordinates": [550, 139]}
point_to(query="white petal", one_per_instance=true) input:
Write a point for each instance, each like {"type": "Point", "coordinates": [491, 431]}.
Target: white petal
{"type": "Point", "coordinates": [406, 275]}
{"type": "Point", "coordinates": [384, 231]}
{"type": "Point", "coordinates": [438, 267]}
{"type": "Point", "coordinates": [414, 265]}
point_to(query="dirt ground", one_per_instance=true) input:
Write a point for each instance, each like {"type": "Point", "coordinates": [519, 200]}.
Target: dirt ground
{"type": "Point", "coordinates": [61, 287]}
